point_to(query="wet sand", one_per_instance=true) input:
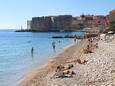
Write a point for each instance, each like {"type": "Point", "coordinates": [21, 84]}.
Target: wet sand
{"type": "Point", "coordinates": [38, 77]}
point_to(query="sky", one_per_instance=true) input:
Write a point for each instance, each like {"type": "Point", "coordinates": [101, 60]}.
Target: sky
{"type": "Point", "coordinates": [15, 13]}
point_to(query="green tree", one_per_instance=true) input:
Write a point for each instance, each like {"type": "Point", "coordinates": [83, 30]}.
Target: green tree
{"type": "Point", "coordinates": [112, 25]}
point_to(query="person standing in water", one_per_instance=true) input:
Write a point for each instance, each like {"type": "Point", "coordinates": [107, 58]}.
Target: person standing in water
{"type": "Point", "coordinates": [53, 45]}
{"type": "Point", "coordinates": [32, 51]}
{"type": "Point", "coordinates": [75, 40]}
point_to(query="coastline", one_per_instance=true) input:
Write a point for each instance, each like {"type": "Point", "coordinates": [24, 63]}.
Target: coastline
{"type": "Point", "coordinates": [68, 52]}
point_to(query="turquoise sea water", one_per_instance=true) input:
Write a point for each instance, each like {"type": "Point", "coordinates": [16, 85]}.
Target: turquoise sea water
{"type": "Point", "coordinates": [15, 53]}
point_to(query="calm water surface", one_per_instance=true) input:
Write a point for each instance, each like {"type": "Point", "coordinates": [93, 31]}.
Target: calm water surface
{"type": "Point", "coordinates": [15, 52]}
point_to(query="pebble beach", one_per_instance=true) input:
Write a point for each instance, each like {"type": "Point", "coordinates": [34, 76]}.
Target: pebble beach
{"type": "Point", "coordinates": [98, 71]}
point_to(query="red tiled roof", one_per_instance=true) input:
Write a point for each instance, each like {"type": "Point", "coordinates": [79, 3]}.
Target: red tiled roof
{"type": "Point", "coordinates": [113, 11]}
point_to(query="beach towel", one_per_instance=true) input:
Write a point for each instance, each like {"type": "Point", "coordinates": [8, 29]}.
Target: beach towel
{"type": "Point", "coordinates": [62, 75]}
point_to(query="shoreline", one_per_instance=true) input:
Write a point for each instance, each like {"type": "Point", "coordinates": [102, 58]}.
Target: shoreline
{"type": "Point", "coordinates": [36, 76]}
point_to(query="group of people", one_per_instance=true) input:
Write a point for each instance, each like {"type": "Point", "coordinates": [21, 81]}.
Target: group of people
{"type": "Point", "coordinates": [91, 46]}
{"type": "Point", "coordinates": [66, 71]}
{"type": "Point", "coordinates": [107, 37]}
{"type": "Point", "coordinates": [62, 71]}
{"type": "Point", "coordinates": [33, 50]}
{"type": "Point", "coordinates": [54, 44]}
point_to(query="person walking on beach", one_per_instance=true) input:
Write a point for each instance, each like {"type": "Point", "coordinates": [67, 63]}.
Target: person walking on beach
{"type": "Point", "coordinates": [53, 45]}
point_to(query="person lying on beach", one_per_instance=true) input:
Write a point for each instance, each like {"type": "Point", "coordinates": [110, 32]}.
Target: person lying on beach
{"type": "Point", "coordinates": [96, 45]}
{"type": "Point", "coordinates": [93, 46]}
{"type": "Point", "coordinates": [90, 40]}
{"type": "Point", "coordinates": [87, 50]}
{"type": "Point", "coordinates": [63, 72]}
{"type": "Point", "coordinates": [62, 68]}
{"type": "Point", "coordinates": [78, 61]}
{"type": "Point", "coordinates": [90, 47]}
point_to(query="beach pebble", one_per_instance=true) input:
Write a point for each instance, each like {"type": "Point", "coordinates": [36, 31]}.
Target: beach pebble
{"type": "Point", "coordinates": [99, 70]}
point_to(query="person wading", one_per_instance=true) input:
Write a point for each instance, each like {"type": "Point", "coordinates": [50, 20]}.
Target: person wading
{"type": "Point", "coordinates": [32, 51]}
{"type": "Point", "coordinates": [75, 40]}
{"type": "Point", "coordinates": [53, 46]}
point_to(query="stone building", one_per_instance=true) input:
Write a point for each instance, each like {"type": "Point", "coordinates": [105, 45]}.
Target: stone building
{"type": "Point", "coordinates": [68, 23]}
{"type": "Point", "coordinates": [29, 24]}
{"type": "Point", "coordinates": [52, 23]}
{"type": "Point", "coordinates": [77, 23]}
{"type": "Point", "coordinates": [41, 23]}
{"type": "Point", "coordinates": [62, 23]}
{"type": "Point", "coordinates": [89, 21]}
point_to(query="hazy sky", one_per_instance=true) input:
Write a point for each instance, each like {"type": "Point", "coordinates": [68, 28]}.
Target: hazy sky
{"type": "Point", "coordinates": [14, 13]}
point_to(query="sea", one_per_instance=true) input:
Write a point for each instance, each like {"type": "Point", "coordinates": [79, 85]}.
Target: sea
{"type": "Point", "coordinates": [16, 58]}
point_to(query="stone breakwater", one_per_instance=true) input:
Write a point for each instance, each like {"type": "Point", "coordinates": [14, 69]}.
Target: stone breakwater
{"type": "Point", "coordinates": [85, 36]}
{"type": "Point", "coordinates": [37, 77]}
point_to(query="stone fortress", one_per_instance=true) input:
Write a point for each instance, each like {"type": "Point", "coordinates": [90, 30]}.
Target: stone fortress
{"type": "Point", "coordinates": [68, 22]}
{"type": "Point", "coordinates": [50, 23]}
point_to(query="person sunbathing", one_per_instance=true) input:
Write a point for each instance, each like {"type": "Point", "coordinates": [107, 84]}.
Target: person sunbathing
{"type": "Point", "coordinates": [96, 45]}
{"type": "Point", "coordinates": [63, 74]}
{"type": "Point", "coordinates": [87, 50]}
{"type": "Point", "coordinates": [59, 68]}
{"type": "Point", "coordinates": [62, 68]}
{"type": "Point", "coordinates": [78, 61]}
